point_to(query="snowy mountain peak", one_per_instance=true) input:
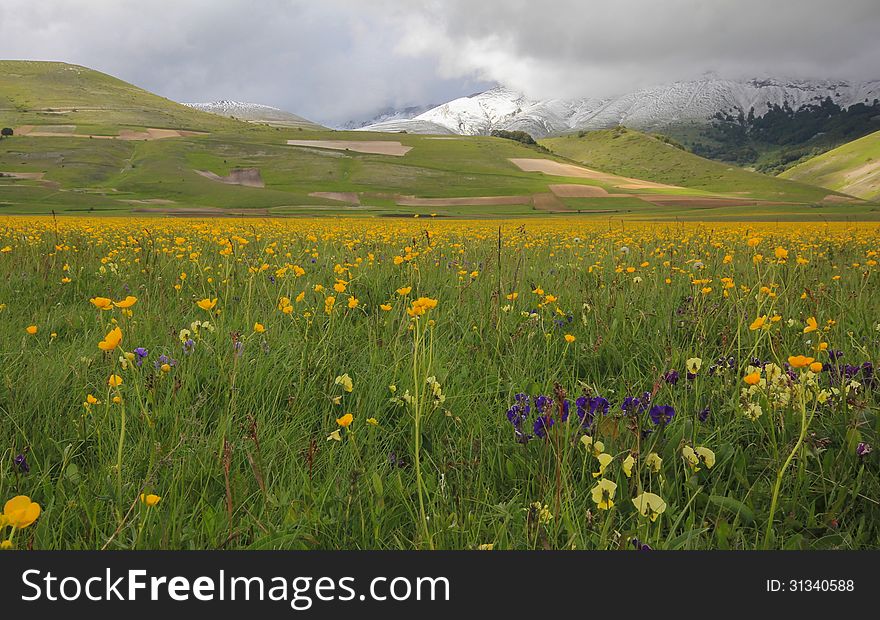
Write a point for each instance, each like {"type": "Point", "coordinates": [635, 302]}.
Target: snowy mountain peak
{"type": "Point", "coordinates": [648, 108]}
{"type": "Point", "coordinates": [254, 113]}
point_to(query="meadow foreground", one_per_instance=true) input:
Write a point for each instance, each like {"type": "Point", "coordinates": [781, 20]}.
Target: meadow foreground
{"type": "Point", "coordinates": [419, 383]}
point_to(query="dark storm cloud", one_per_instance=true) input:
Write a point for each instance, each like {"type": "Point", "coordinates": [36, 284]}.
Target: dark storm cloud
{"type": "Point", "coordinates": [578, 47]}
{"type": "Point", "coordinates": [338, 59]}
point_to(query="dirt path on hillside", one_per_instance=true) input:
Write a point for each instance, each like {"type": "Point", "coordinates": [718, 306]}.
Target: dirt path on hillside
{"type": "Point", "coordinates": [555, 168]}
{"type": "Point", "coordinates": [374, 147]}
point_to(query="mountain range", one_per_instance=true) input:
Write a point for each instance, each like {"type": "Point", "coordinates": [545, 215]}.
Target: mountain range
{"type": "Point", "coordinates": [695, 101]}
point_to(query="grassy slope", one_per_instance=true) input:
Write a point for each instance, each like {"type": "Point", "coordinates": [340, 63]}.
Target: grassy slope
{"type": "Point", "coordinates": [47, 93]}
{"type": "Point", "coordinates": [632, 153]}
{"type": "Point", "coordinates": [853, 168]}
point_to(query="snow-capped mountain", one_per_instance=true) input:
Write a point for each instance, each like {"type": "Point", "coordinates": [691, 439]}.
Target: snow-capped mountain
{"type": "Point", "coordinates": [254, 113]}
{"type": "Point", "coordinates": [390, 115]}
{"type": "Point", "coordinates": [648, 108]}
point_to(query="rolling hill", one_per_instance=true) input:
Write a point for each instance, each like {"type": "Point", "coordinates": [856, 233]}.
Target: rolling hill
{"type": "Point", "coordinates": [88, 143]}
{"type": "Point", "coordinates": [60, 94]}
{"type": "Point", "coordinates": [633, 153]}
{"type": "Point", "coordinates": [853, 168]}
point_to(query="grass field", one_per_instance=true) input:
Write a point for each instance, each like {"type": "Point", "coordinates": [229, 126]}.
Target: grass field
{"type": "Point", "coordinates": [853, 168]}
{"type": "Point", "coordinates": [418, 383]}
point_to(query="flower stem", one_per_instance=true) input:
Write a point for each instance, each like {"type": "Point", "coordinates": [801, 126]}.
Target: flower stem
{"type": "Point", "coordinates": [781, 473]}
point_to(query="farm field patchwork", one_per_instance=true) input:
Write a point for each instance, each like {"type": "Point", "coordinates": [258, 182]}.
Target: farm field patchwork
{"type": "Point", "coordinates": [390, 383]}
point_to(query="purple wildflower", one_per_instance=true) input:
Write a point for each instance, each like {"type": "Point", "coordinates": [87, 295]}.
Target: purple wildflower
{"type": "Point", "coordinates": [566, 407]}
{"type": "Point", "coordinates": [542, 425]}
{"type": "Point", "coordinates": [164, 359]}
{"type": "Point", "coordinates": [22, 464]}
{"type": "Point", "coordinates": [640, 546]}
{"type": "Point", "coordinates": [863, 448]}
{"type": "Point", "coordinates": [542, 403]}
{"type": "Point", "coordinates": [671, 377]}
{"type": "Point", "coordinates": [661, 414]}
{"type": "Point", "coordinates": [704, 414]}
{"type": "Point", "coordinates": [630, 404]}
{"type": "Point", "coordinates": [140, 353]}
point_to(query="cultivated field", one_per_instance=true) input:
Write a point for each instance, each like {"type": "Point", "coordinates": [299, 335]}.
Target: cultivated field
{"type": "Point", "coordinates": [421, 383]}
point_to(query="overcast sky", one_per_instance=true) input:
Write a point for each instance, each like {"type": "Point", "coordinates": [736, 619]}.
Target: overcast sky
{"type": "Point", "coordinates": [336, 60]}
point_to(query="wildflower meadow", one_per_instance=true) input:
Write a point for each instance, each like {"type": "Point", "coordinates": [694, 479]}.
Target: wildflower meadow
{"type": "Point", "coordinates": [421, 383]}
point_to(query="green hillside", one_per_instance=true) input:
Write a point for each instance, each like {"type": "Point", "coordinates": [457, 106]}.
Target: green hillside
{"type": "Point", "coordinates": [853, 168]}
{"type": "Point", "coordinates": [632, 153]}
{"type": "Point", "coordinates": [56, 93]}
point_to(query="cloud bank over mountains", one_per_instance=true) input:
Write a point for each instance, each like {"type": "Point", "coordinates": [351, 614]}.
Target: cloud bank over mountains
{"type": "Point", "coordinates": [337, 60]}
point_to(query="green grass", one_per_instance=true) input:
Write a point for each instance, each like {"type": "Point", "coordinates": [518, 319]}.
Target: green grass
{"type": "Point", "coordinates": [634, 154]}
{"type": "Point", "coordinates": [234, 438]}
{"type": "Point", "coordinates": [853, 168]}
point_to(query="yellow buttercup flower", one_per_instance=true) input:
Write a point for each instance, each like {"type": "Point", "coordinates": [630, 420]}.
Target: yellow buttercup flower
{"type": "Point", "coordinates": [207, 304]}
{"type": "Point", "coordinates": [345, 421]}
{"type": "Point", "coordinates": [569, 338]}
{"type": "Point", "coordinates": [800, 361]}
{"type": "Point", "coordinates": [758, 323]}
{"type": "Point", "coordinates": [128, 302]}
{"type": "Point", "coordinates": [421, 305]}
{"type": "Point", "coordinates": [259, 328]}
{"type": "Point", "coordinates": [31, 329]}
{"type": "Point", "coordinates": [102, 303]}
{"type": "Point", "coordinates": [150, 499]}
{"type": "Point", "coordinates": [812, 325]}
{"type": "Point", "coordinates": [816, 367]}
{"type": "Point", "coordinates": [20, 512]}
{"type": "Point", "coordinates": [114, 381]}
{"type": "Point", "coordinates": [753, 378]}
{"type": "Point", "coordinates": [111, 340]}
